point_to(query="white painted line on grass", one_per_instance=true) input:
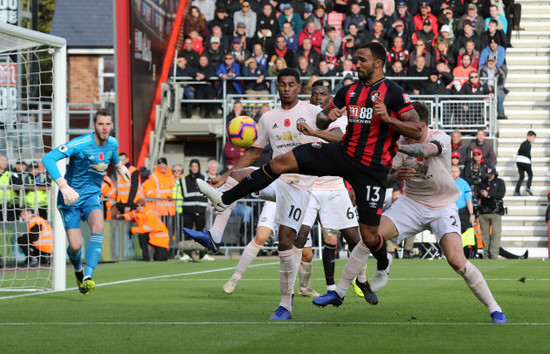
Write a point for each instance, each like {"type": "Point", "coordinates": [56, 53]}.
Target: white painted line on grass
{"type": "Point", "coordinates": [141, 279]}
{"type": "Point", "coordinates": [272, 323]}
{"type": "Point", "coordinates": [319, 279]}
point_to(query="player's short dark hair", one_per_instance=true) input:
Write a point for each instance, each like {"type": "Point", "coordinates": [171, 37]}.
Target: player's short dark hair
{"type": "Point", "coordinates": [105, 112]}
{"type": "Point", "coordinates": [122, 154]}
{"type": "Point", "coordinates": [323, 83]}
{"type": "Point", "coordinates": [288, 72]}
{"type": "Point", "coordinates": [423, 111]}
{"type": "Point", "coordinates": [377, 49]}
{"type": "Point", "coordinates": [531, 133]}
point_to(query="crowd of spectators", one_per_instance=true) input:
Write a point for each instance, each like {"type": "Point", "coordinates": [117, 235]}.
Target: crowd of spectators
{"type": "Point", "coordinates": [443, 43]}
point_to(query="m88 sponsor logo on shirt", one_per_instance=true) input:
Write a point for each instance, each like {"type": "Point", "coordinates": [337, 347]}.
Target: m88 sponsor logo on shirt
{"type": "Point", "coordinates": [359, 114]}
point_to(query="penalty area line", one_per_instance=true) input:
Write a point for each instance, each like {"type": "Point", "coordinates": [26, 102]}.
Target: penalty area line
{"type": "Point", "coordinates": [140, 279]}
{"type": "Point", "coordinates": [273, 323]}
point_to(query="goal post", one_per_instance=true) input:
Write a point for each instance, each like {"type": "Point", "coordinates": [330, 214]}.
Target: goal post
{"type": "Point", "coordinates": [26, 103]}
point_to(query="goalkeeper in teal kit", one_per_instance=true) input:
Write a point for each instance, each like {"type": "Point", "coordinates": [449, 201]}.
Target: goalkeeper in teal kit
{"type": "Point", "coordinates": [80, 190]}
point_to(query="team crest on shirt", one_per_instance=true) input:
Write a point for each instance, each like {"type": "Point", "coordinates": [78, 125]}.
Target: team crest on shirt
{"type": "Point", "coordinates": [317, 145]}
{"type": "Point", "coordinates": [63, 148]}
{"type": "Point", "coordinates": [374, 95]}
{"type": "Point", "coordinates": [406, 98]}
{"type": "Point", "coordinates": [301, 120]}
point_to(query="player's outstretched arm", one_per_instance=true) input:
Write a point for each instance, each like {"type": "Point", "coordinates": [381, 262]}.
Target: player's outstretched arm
{"type": "Point", "coordinates": [123, 171]}
{"type": "Point", "coordinates": [249, 157]}
{"type": "Point", "coordinates": [332, 136]}
{"type": "Point", "coordinates": [406, 123]}
{"type": "Point", "coordinates": [420, 150]}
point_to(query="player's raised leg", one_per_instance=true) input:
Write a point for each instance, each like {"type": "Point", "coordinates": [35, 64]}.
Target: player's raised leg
{"type": "Point", "coordinates": [452, 247]}
{"type": "Point", "coordinates": [212, 238]}
{"type": "Point", "coordinates": [256, 181]}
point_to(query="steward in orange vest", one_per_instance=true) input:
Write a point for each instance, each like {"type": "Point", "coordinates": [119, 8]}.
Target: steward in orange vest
{"type": "Point", "coordinates": [151, 231]}
{"type": "Point", "coordinates": [164, 180]}
{"type": "Point", "coordinates": [127, 193]}
{"type": "Point", "coordinates": [148, 188]}
{"type": "Point", "coordinates": [37, 243]}
{"type": "Point", "coordinates": [108, 191]}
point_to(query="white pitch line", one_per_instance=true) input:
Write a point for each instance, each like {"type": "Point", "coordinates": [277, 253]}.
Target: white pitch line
{"type": "Point", "coordinates": [272, 323]}
{"type": "Point", "coordinates": [140, 279]}
{"type": "Point", "coordinates": [319, 279]}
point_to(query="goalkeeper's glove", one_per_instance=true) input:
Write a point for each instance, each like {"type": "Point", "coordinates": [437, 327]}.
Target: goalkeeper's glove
{"type": "Point", "coordinates": [123, 171]}
{"type": "Point", "coordinates": [70, 196]}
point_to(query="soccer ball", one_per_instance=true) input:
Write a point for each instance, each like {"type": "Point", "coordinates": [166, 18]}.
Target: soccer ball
{"type": "Point", "coordinates": [242, 131]}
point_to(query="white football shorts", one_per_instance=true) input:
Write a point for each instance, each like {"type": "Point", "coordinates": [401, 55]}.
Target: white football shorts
{"type": "Point", "coordinates": [411, 218]}
{"type": "Point", "coordinates": [335, 210]}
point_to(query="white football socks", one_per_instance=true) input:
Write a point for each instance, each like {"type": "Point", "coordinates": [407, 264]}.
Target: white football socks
{"type": "Point", "coordinates": [477, 284]}
{"type": "Point", "coordinates": [250, 252]}
{"type": "Point", "coordinates": [357, 261]}
{"type": "Point", "coordinates": [286, 274]}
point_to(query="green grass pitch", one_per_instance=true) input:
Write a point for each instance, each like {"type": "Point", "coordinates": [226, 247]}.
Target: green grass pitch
{"type": "Point", "coordinates": [180, 307]}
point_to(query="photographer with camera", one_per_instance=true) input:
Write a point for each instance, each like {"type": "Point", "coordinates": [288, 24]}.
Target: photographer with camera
{"type": "Point", "coordinates": [490, 192]}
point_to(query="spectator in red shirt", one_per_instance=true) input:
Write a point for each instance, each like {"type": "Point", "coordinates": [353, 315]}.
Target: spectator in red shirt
{"type": "Point", "coordinates": [424, 14]}
{"type": "Point", "coordinates": [313, 34]}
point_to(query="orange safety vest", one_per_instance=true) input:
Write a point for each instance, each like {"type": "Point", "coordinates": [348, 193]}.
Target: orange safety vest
{"type": "Point", "coordinates": [123, 188]}
{"type": "Point", "coordinates": [149, 223]}
{"type": "Point", "coordinates": [45, 237]}
{"type": "Point", "coordinates": [165, 189]}
{"type": "Point", "coordinates": [108, 191]}
{"type": "Point", "coordinates": [149, 190]}
{"type": "Point", "coordinates": [477, 233]}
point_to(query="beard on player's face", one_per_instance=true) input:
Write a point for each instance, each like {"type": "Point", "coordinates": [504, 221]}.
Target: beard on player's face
{"type": "Point", "coordinates": [365, 73]}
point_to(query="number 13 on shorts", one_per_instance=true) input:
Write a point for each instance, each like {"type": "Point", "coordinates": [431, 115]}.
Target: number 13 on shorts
{"type": "Point", "coordinates": [373, 193]}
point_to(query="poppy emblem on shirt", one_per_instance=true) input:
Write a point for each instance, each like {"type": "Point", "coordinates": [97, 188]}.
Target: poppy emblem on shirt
{"type": "Point", "coordinates": [287, 122]}
{"type": "Point", "coordinates": [100, 156]}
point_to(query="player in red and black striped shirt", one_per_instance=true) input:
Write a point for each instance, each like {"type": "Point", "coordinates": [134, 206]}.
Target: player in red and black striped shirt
{"type": "Point", "coordinates": [378, 111]}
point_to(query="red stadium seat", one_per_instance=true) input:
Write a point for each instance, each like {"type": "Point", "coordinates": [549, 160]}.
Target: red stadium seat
{"type": "Point", "coordinates": [336, 20]}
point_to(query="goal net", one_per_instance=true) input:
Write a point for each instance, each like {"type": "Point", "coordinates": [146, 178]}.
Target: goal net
{"type": "Point", "coordinates": [32, 121]}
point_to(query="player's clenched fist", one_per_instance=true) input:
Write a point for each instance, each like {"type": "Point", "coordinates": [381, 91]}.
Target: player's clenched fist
{"type": "Point", "coordinates": [336, 113]}
{"type": "Point", "coordinates": [70, 196]}
{"type": "Point", "coordinates": [405, 173]}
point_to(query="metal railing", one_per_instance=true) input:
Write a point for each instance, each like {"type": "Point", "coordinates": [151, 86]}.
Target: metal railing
{"type": "Point", "coordinates": [444, 116]}
{"type": "Point", "coordinates": [447, 112]}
